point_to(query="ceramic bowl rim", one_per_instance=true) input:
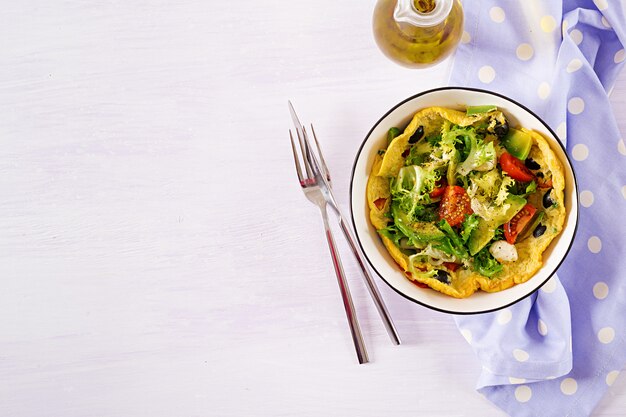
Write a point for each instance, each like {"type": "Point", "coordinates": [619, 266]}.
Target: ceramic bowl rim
{"type": "Point", "coordinates": [476, 90]}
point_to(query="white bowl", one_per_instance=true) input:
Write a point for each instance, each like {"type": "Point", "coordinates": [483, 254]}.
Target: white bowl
{"type": "Point", "coordinates": [375, 251]}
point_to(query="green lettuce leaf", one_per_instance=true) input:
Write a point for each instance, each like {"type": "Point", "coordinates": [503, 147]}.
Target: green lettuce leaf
{"type": "Point", "coordinates": [469, 224]}
{"type": "Point", "coordinates": [411, 189]}
{"type": "Point", "coordinates": [392, 233]}
{"type": "Point", "coordinates": [453, 244]}
{"type": "Point", "coordinates": [481, 156]}
{"type": "Point", "coordinates": [485, 264]}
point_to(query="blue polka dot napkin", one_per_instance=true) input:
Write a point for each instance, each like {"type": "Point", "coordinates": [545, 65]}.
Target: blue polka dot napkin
{"type": "Point", "coordinates": [555, 353]}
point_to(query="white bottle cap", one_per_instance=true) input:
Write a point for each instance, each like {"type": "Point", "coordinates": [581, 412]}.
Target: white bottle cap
{"type": "Point", "coordinates": [406, 12]}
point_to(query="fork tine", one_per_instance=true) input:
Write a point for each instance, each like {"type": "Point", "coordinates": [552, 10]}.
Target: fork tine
{"type": "Point", "coordinates": [296, 158]}
{"type": "Point", "coordinates": [311, 158]}
{"type": "Point", "coordinates": [321, 155]}
{"type": "Point", "coordinates": [305, 154]}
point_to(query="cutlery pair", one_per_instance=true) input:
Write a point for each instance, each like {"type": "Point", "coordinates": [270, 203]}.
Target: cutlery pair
{"type": "Point", "coordinates": [317, 187]}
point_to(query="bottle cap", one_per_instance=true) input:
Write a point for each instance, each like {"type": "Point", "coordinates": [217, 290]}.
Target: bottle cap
{"type": "Point", "coordinates": [406, 12]}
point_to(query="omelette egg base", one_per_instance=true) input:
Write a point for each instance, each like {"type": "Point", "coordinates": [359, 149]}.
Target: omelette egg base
{"type": "Point", "coordinates": [462, 279]}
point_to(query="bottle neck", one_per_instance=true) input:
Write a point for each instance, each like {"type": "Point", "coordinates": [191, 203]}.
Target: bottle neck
{"type": "Point", "coordinates": [422, 13]}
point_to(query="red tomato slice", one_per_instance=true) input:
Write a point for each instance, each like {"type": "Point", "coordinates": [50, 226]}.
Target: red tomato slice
{"type": "Point", "coordinates": [451, 266]}
{"type": "Point", "coordinates": [542, 183]}
{"type": "Point", "coordinates": [455, 204]}
{"type": "Point", "coordinates": [518, 223]}
{"type": "Point", "coordinates": [515, 168]}
{"type": "Point", "coordinates": [380, 203]}
{"type": "Point", "coordinates": [440, 188]}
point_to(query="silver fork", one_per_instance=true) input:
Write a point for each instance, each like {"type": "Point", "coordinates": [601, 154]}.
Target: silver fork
{"type": "Point", "coordinates": [310, 182]}
{"type": "Point", "coordinates": [326, 186]}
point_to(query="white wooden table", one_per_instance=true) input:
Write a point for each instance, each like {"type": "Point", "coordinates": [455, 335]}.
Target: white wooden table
{"type": "Point", "coordinates": [157, 257]}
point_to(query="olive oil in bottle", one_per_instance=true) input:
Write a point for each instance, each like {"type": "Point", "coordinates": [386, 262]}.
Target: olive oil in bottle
{"type": "Point", "coordinates": [417, 33]}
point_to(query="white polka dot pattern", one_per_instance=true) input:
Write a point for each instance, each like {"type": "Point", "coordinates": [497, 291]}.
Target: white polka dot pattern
{"type": "Point", "coordinates": [497, 14]}
{"type": "Point", "coordinates": [601, 4]}
{"type": "Point", "coordinates": [576, 105]}
{"type": "Point", "coordinates": [569, 386]}
{"type": "Point", "coordinates": [524, 52]}
{"type": "Point", "coordinates": [586, 198]}
{"type": "Point", "coordinates": [548, 24]}
{"type": "Point", "coordinates": [520, 355]}
{"type": "Point", "coordinates": [580, 152]}
{"type": "Point", "coordinates": [606, 335]}
{"type": "Point", "coordinates": [544, 90]}
{"type": "Point", "coordinates": [574, 65]}
{"type": "Point", "coordinates": [594, 244]}
{"type": "Point", "coordinates": [577, 36]}
{"type": "Point", "coordinates": [505, 316]}
{"type": "Point", "coordinates": [523, 393]}
{"type": "Point", "coordinates": [611, 377]}
{"type": "Point", "coordinates": [486, 74]}
{"type": "Point", "coordinates": [600, 290]}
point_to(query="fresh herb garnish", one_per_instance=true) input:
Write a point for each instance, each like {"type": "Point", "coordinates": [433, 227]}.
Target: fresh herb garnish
{"type": "Point", "coordinates": [485, 264]}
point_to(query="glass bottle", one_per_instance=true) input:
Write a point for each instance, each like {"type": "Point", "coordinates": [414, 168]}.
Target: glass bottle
{"type": "Point", "coordinates": [417, 33]}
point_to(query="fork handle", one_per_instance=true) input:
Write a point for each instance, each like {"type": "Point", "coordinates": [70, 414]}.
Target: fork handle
{"type": "Point", "coordinates": [371, 285]}
{"type": "Point", "coordinates": [353, 322]}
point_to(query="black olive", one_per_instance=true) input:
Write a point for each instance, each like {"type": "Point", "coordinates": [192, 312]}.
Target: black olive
{"type": "Point", "coordinates": [501, 129]}
{"type": "Point", "coordinates": [442, 276]}
{"type": "Point", "coordinates": [539, 230]}
{"type": "Point", "coordinates": [417, 135]}
{"type": "Point", "coordinates": [531, 164]}
{"type": "Point", "coordinates": [547, 200]}
{"type": "Point", "coordinates": [539, 174]}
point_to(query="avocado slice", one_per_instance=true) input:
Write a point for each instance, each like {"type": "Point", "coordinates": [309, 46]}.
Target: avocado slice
{"type": "Point", "coordinates": [486, 230]}
{"type": "Point", "coordinates": [427, 232]}
{"type": "Point", "coordinates": [472, 110]}
{"type": "Point", "coordinates": [419, 233]}
{"type": "Point", "coordinates": [518, 143]}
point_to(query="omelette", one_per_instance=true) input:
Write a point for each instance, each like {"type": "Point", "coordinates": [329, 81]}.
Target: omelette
{"type": "Point", "coordinates": [463, 201]}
